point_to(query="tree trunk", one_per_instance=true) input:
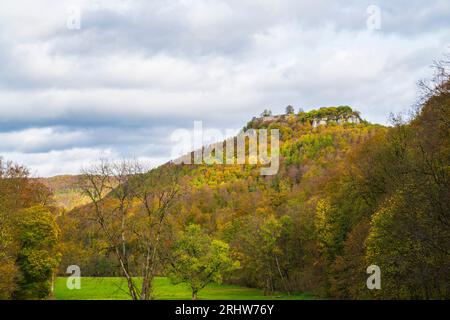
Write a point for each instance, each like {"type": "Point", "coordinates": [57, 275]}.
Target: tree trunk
{"type": "Point", "coordinates": [146, 281]}
{"type": "Point", "coordinates": [124, 267]}
{"type": "Point", "coordinates": [282, 277]}
{"type": "Point", "coordinates": [194, 295]}
{"type": "Point", "coordinates": [52, 288]}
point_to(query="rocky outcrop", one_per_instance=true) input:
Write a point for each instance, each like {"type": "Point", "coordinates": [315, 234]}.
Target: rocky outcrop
{"type": "Point", "coordinates": [320, 117]}
{"type": "Point", "coordinates": [337, 119]}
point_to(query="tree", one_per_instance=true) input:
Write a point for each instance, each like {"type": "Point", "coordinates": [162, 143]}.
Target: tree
{"type": "Point", "coordinates": [38, 256]}
{"type": "Point", "coordinates": [290, 109]}
{"type": "Point", "coordinates": [130, 206]}
{"type": "Point", "coordinates": [17, 193]}
{"type": "Point", "coordinates": [268, 236]}
{"type": "Point", "coordinates": [8, 268]}
{"type": "Point", "coordinates": [156, 192]}
{"type": "Point", "coordinates": [262, 242]}
{"type": "Point", "coordinates": [199, 260]}
{"type": "Point", "coordinates": [266, 113]}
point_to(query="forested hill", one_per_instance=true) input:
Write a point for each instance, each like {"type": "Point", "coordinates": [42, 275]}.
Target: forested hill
{"type": "Point", "coordinates": [348, 194]}
{"type": "Point", "coordinates": [235, 201]}
{"type": "Point", "coordinates": [66, 191]}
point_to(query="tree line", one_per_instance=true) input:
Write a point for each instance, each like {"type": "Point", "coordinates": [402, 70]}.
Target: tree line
{"type": "Point", "coordinates": [29, 235]}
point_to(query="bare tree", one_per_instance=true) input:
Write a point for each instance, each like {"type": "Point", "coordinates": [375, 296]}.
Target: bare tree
{"type": "Point", "coordinates": [156, 192]}
{"type": "Point", "coordinates": [440, 83]}
{"type": "Point", "coordinates": [130, 207]}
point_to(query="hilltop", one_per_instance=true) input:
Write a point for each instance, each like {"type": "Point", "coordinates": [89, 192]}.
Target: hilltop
{"type": "Point", "coordinates": [315, 117]}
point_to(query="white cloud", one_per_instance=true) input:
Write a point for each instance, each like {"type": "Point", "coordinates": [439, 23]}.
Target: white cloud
{"type": "Point", "coordinates": [68, 161]}
{"type": "Point", "coordinates": [33, 139]}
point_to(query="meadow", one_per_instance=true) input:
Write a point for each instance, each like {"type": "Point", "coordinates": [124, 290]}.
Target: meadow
{"type": "Point", "coordinates": [115, 288]}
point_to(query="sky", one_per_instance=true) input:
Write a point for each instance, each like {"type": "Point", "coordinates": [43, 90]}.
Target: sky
{"type": "Point", "coordinates": [83, 80]}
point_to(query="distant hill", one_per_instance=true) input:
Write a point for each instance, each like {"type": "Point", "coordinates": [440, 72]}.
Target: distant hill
{"type": "Point", "coordinates": [60, 183]}
{"type": "Point", "coordinates": [65, 189]}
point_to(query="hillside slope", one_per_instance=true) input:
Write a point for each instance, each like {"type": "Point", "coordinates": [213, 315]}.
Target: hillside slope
{"type": "Point", "coordinates": [66, 191]}
{"type": "Point", "coordinates": [227, 198]}
{"type": "Point", "coordinates": [348, 195]}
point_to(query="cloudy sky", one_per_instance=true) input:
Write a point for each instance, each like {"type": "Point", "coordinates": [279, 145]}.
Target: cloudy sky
{"type": "Point", "coordinates": [134, 71]}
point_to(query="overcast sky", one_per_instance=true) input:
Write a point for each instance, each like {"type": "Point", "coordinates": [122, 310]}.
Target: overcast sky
{"type": "Point", "coordinates": [135, 71]}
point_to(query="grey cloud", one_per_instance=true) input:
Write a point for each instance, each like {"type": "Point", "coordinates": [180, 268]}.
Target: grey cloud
{"type": "Point", "coordinates": [186, 29]}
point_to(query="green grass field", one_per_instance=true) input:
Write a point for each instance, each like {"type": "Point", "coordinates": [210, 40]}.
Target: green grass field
{"type": "Point", "coordinates": [116, 289]}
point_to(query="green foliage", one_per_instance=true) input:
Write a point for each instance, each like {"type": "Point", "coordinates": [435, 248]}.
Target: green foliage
{"type": "Point", "coordinates": [290, 109]}
{"type": "Point", "coordinates": [327, 112]}
{"type": "Point", "coordinates": [266, 113]}
{"type": "Point", "coordinates": [200, 260]}
{"type": "Point", "coordinates": [307, 147]}
{"type": "Point", "coordinates": [27, 234]}
{"type": "Point", "coordinates": [38, 256]}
